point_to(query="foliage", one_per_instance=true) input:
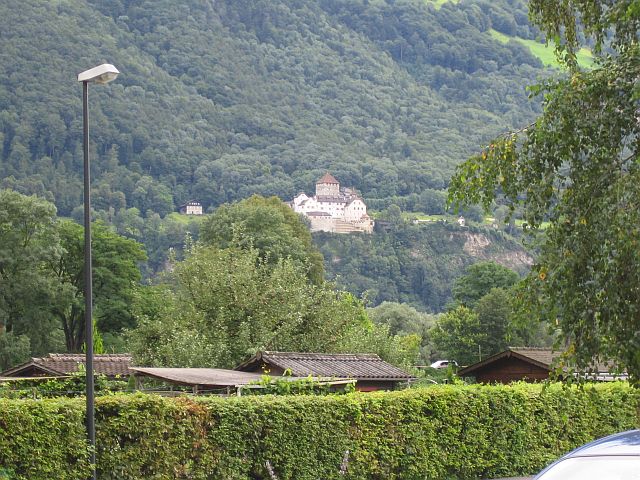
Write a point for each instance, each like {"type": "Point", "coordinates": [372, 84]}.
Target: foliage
{"type": "Point", "coordinates": [42, 279]}
{"type": "Point", "coordinates": [268, 225]}
{"type": "Point", "coordinates": [479, 279]}
{"type": "Point", "coordinates": [73, 385]}
{"type": "Point", "coordinates": [14, 349]}
{"type": "Point", "coordinates": [28, 240]}
{"type": "Point", "coordinates": [458, 335]}
{"type": "Point", "coordinates": [450, 431]}
{"type": "Point", "coordinates": [115, 273]}
{"type": "Point", "coordinates": [577, 166]}
{"type": "Point", "coordinates": [230, 303]}
{"type": "Point", "coordinates": [218, 101]}
{"type": "Point", "coordinates": [415, 264]}
{"type": "Point", "coordinates": [269, 385]}
{"type": "Point", "coordinates": [403, 319]}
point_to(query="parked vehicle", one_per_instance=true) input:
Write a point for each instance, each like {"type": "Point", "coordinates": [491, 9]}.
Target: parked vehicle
{"type": "Point", "coordinates": [444, 364]}
{"type": "Point", "coordinates": [616, 457]}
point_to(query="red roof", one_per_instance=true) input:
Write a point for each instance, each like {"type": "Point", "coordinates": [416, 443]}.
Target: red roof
{"type": "Point", "coordinates": [328, 178]}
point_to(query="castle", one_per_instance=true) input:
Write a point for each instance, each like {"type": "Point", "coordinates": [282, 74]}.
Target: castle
{"type": "Point", "coordinates": [334, 209]}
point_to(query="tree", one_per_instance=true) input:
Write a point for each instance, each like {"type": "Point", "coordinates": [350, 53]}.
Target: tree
{"type": "Point", "coordinates": [230, 303]}
{"type": "Point", "coordinates": [28, 239]}
{"type": "Point", "coordinates": [116, 272]}
{"type": "Point", "coordinates": [577, 166]}
{"type": "Point", "coordinates": [404, 320]}
{"type": "Point", "coordinates": [457, 335]}
{"type": "Point", "coordinates": [478, 281]}
{"type": "Point", "coordinates": [268, 225]}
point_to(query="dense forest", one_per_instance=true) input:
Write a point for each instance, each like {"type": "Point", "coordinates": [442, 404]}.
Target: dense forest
{"type": "Point", "coordinates": [221, 100]}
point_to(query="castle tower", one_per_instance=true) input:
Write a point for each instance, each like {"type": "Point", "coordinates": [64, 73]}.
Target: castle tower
{"type": "Point", "coordinates": [327, 186]}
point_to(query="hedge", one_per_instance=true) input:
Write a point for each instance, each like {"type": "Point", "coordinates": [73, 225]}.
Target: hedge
{"type": "Point", "coordinates": [448, 432]}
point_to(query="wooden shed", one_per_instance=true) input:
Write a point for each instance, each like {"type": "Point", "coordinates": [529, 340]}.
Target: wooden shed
{"type": "Point", "coordinates": [369, 370]}
{"type": "Point", "coordinates": [511, 365]}
{"type": "Point", "coordinates": [63, 364]}
{"type": "Point", "coordinates": [527, 364]}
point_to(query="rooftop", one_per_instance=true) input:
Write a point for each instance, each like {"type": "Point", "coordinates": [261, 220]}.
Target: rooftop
{"type": "Point", "coordinates": [362, 366]}
{"type": "Point", "coordinates": [57, 364]}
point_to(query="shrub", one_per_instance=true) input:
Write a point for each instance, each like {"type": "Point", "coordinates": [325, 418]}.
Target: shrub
{"type": "Point", "coordinates": [442, 432]}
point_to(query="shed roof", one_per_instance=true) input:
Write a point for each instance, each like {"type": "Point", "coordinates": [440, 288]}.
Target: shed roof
{"type": "Point", "coordinates": [58, 364]}
{"type": "Point", "coordinates": [328, 178]}
{"type": "Point", "coordinates": [541, 357]}
{"type": "Point", "coordinates": [361, 366]}
{"type": "Point", "coordinates": [210, 377]}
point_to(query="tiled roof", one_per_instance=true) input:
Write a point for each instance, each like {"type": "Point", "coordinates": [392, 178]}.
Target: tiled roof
{"type": "Point", "coordinates": [65, 363]}
{"type": "Point", "coordinates": [336, 365]}
{"type": "Point", "coordinates": [328, 178]}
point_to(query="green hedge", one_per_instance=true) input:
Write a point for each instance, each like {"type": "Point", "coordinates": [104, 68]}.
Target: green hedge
{"type": "Point", "coordinates": [448, 432]}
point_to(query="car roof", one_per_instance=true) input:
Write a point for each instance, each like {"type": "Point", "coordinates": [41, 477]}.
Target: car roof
{"type": "Point", "coordinates": [624, 443]}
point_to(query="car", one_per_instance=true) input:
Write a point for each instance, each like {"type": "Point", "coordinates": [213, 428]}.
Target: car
{"type": "Point", "coordinates": [444, 363]}
{"type": "Point", "coordinates": [616, 457]}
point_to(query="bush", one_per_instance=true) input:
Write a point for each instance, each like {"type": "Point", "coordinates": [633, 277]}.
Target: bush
{"type": "Point", "coordinates": [442, 432]}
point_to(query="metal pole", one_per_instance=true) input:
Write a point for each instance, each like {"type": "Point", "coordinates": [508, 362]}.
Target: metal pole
{"type": "Point", "coordinates": [88, 290]}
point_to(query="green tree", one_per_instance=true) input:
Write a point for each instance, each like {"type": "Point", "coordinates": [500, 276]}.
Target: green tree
{"type": "Point", "coordinates": [116, 272]}
{"type": "Point", "coordinates": [28, 240]}
{"type": "Point", "coordinates": [478, 281]}
{"type": "Point", "coordinates": [404, 320]}
{"type": "Point", "coordinates": [268, 225]}
{"type": "Point", "coordinates": [229, 303]}
{"type": "Point", "coordinates": [14, 349]}
{"type": "Point", "coordinates": [457, 335]}
{"type": "Point", "coordinates": [577, 166]}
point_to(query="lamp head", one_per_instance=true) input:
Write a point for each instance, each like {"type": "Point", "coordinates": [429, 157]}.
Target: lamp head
{"type": "Point", "coordinates": [104, 73]}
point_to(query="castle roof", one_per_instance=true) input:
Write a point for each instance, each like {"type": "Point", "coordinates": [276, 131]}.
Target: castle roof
{"type": "Point", "coordinates": [328, 178]}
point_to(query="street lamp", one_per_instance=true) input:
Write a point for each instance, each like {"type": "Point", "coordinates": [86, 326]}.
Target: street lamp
{"type": "Point", "coordinates": [104, 73]}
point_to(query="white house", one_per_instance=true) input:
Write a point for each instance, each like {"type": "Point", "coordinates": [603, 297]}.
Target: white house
{"type": "Point", "coordinates": [191, 208]}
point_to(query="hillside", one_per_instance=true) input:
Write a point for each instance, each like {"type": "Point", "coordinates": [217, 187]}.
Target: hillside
{"type": "Point", "coordinates": [218, 100]}
{"type": "Point", "coordinates": [415, 264]}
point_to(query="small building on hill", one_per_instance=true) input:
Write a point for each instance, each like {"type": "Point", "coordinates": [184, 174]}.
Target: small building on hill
{"type": "Point", "coordinates": [191, 208]}
{"type": "Point", "coordinates": [333, 209]}
{"type": "Point", "coordinates": [63, 364]}
{"type": "Point", "coordinates": [369, 370]}
{"type": "Point", "coordinates": [524, 364]}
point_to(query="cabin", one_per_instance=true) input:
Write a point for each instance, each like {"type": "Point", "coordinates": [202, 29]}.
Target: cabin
{"type": "Point", "coordinates": [526, 364]}
{"type": "Point", "coordinates": [368, 369]}
{"type": "Point", "coordinates": [112, 365]}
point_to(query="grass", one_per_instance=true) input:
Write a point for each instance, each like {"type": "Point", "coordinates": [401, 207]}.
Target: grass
{"type": "Point", "coordinates": [545, 53]}
{"type": "Point", "coordinates": [439, 3]}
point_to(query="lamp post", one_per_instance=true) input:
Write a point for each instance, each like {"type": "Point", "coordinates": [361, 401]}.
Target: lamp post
{"type": "Point", "coordinates": [104, 73]}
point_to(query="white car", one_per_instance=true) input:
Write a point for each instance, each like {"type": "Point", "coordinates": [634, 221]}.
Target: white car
{"type": "Point", "coordinates": [444, 363]}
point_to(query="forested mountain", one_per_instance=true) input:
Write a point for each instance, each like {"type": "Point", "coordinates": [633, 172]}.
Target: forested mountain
{"type": "Point", "coordinates": [221, 99]}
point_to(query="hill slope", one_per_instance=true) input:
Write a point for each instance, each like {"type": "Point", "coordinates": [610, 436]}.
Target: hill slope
{"type": "Point", "coordinates": [221, 99]}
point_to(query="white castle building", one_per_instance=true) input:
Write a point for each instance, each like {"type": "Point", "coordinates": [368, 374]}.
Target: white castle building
{"type": "Point", "coordinates": [334, 209]}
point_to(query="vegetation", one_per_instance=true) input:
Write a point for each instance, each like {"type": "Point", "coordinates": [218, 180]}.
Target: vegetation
{"type": "Point", "coordinates": [268, 225]}
{"type": "Point", "coordinates": [450, 431]}
{"type": "Point", "coordinates": [577, 167]}
{"type": "Point", "coordinates": [218, 101]}
{"type": "Point", "coordinates": [412, 263]}
{"type": "Point", "coordinates": [41, 279]}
